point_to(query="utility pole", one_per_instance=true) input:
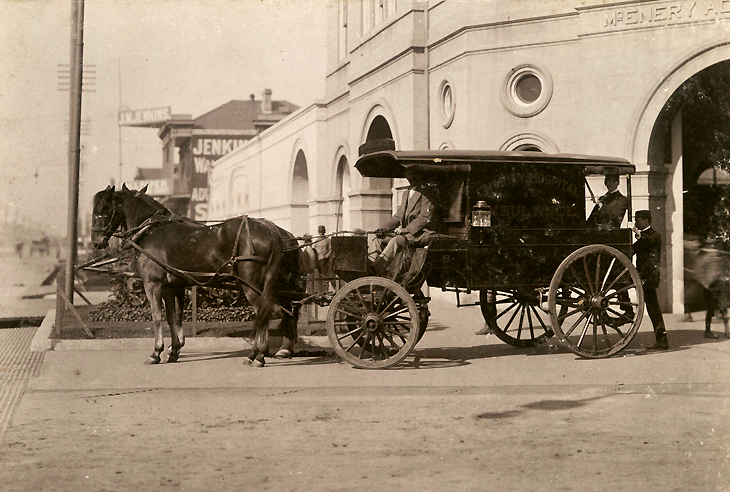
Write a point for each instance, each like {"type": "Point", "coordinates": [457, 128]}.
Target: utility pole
{"type": "Point", "coordinates": [74, 138]}
{"type": "Point", "coordinates": [119, 67]}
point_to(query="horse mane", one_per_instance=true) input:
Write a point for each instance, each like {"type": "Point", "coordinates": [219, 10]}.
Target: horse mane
{"type": "Point", "coordinates": [148, 200]}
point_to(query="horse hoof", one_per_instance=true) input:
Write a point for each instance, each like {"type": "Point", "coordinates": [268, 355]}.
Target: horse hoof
{"type": "Point", "coordinates": [152, 361]}
{"type": "Point", "coordinates": [283, 354]}
{"type": "Point", "coordinates": [247, 360]}
{"type": "Point", "coordinates": [257, 363]}
{"type": "Point", "coordinates": [172, 358]}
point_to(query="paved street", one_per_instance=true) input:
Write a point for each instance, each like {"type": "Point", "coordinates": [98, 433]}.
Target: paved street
{"type": "Point", "coordinates": [459, 414]}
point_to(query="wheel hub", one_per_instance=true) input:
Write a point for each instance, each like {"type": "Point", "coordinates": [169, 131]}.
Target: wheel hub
{"type": "Point", "coordinates": [372, 323]}
{"type": "Point", "coordinates": [597, 301]}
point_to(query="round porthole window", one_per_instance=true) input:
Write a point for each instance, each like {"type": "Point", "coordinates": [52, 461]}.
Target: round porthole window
{"type": "Point", "coordinates": [527, 90]}
{"type": "Point", "coordinates": [448, 103]}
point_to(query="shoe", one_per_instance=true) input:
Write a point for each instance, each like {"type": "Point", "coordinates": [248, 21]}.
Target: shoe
{"type": "Point", "coordinates": [619, 322]}
{"type": "Point", "coordinates": [484, 331]}
{"type": "Point", "coordinates": [710, 335]}
{"type": "Point", "coordinates": [658, 346]}
{"type": "Point", "coordinates": [380, 267]}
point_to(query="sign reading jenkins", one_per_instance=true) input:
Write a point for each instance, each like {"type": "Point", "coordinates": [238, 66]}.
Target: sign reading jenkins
{"type": "Point", "coordinates": [205, 151]}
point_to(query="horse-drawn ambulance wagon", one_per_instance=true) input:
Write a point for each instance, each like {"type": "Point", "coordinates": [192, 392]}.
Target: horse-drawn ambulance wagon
{"type": "Point", "coordinates": [510, 225]}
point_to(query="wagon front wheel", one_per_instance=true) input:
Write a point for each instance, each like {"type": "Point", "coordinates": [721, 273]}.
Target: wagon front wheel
{"type": "Point", "coordinates": [596, 301]}
{"type": "Point", "coordinates": [515, 317]}
{"type": "Point", "coordinates": [373, 323]}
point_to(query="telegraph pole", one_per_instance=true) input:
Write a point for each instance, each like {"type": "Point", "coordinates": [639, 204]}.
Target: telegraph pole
{"type": "Point", "coordinates": [119, 67]}
{"type": "Point", "coordinates": [74, 138]}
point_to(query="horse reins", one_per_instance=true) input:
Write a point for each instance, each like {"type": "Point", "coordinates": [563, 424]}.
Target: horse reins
{"type": "Point", "coordinates": [213, 276]}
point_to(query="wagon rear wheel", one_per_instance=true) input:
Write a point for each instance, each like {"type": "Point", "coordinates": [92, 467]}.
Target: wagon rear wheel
{"type": "Point", "coordinates": [373, 323]}
{"type": "Point", "coordinates": [514, 315]}
{"type": "Point", "coordinates": [596, 301]}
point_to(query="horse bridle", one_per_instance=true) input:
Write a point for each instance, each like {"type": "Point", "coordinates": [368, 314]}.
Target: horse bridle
{"type": "Point", "coordinates": [110, 227]}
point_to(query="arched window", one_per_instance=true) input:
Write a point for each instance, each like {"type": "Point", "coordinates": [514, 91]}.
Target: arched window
{"type": "Point", "coordinates": [300, 195]}
{"type": "Point", "coordinates": [344, 222]}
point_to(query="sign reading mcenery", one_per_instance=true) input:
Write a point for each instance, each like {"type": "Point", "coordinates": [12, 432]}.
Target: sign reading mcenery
{"type": "Point", "coordinates": [206, 150]}
{"type": "Point", "coordinates": [613, 16]}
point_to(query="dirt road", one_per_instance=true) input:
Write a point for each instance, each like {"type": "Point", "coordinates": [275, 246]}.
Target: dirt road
{"type": "Point", "coordinates": [281, 434]}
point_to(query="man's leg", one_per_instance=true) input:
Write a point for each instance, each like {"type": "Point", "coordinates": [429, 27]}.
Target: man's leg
{"type": "Point", "coordinates": [657, 320]}
{"type": "Point", "coordinates": [712, 308]}
{"type": "Point", "coordinates": [384, 260]}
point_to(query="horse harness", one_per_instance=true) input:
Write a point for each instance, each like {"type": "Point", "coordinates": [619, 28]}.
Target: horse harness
{"type": "Point", "coordinates": [231, 262]}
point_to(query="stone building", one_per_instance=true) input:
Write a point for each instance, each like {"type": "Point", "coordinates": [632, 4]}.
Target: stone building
{"type": "Point", "coordinates": [602, 77]}
{"type": "Point", "coordinates": [191, 147]}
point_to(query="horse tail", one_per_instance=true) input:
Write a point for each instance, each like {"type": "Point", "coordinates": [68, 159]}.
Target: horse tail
{"type": "Point", "coordinates": [271, 273]}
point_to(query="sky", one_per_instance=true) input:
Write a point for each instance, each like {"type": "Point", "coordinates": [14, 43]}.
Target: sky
{"type": "Point", "coordinates": [191, 55]}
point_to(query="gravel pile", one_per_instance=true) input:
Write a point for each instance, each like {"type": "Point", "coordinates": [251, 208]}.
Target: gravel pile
{"type": "Point", "coordinates": [112, 311]}
{"type": "Point", "coordinates": [129, 303]}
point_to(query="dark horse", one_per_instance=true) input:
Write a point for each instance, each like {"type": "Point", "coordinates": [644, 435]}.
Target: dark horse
{"type": "Point", "coordinates": [173, 253]}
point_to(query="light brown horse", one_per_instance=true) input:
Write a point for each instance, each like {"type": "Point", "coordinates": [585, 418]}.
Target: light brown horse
{"type": "Point", "coordinates": [172, 254]}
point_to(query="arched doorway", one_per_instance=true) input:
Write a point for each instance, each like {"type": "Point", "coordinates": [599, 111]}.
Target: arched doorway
{"type": "Point", "coordinates": [344, 220]}
{"type": "Point", "coordinates": [379, 128]}
{"type": "Point", "coordinates": [691, 137]}
{"type": "Point", "coordinates": [300, 196]}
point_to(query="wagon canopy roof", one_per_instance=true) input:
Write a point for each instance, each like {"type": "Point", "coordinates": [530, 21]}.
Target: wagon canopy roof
{"type": "Point", "coordinates": [401, 163]}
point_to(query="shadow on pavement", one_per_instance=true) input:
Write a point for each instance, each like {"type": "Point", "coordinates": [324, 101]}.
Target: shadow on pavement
{"type": "Point", "coordinates": [443, 357]}
{"type": "Point", "coordinates": [544, 405]}
{"type": "Point", "coordinates": [678, 340]}
{"type": "Point", "coordinates": [300, 358]}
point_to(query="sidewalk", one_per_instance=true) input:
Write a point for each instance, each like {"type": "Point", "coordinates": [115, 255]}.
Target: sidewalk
{"type": "Point", "coordinates": [448, 326]}
{"type": "Point", "coordinates": [450, 341]}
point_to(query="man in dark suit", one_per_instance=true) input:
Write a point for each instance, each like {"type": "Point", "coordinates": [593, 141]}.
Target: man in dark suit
{"type": "Point", "coordinates": [648, 250]}
{"type": "Point", "coordinates": [410, 227]}
{"type": "Point", "coordinates": [611, 207]}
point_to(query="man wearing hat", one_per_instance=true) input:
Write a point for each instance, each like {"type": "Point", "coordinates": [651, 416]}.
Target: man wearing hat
{"type": "Point", "coordinates": [648, 249]}
{"type": "Point", "coordinates": [610, 208]}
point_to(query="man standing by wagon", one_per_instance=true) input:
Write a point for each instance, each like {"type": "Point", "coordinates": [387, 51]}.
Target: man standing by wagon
{"type": "Point", "coordinates": [323, 246]}
{"type": "Point", "coordinates": [648, 249]}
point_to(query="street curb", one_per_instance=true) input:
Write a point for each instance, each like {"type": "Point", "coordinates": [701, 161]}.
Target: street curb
{"type": "Point", "coordinates": [42, 341]}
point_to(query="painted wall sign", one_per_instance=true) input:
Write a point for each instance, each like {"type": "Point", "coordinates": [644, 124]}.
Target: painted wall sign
{"type": "Point", "coordinates": [205, 151]}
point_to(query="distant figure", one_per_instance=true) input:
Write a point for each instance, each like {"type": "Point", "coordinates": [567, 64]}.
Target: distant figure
{"type": "Point", "coordinates": [692, 288]}
{"type": "Point", "coordinates": [712, 271]}
{"type": "Point", "coordinates": [19, 248]}
{"type": "Point", "coordinates": [611, 207]}
{"type": "Point", "coordinates": [45, 245]}
{"type": "Point", "coordinates": [323, 247]}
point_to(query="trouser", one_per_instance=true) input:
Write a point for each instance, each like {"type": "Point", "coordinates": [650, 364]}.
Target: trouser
{"type": "Point", "coordinates": [713, 306]}
{"type": "Point", "coordinates": [394, 246]}
{"type": "Point", "coordinates": [655, 314]}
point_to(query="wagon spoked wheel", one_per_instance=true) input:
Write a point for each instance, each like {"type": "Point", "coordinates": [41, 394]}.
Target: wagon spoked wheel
{"type": "Point", "coordinates": [596, 301]}
{"type": "Point", "coordinates": [515, 316]}
{"type": "Point", "coordinates": [373, 323]}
